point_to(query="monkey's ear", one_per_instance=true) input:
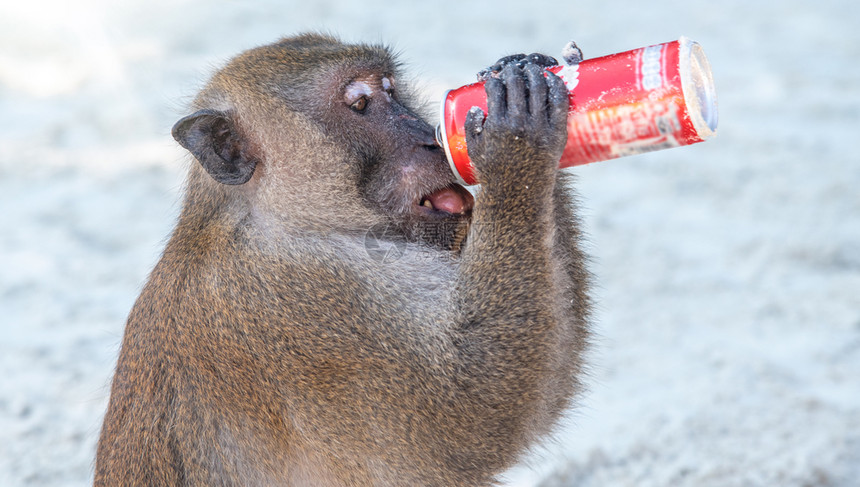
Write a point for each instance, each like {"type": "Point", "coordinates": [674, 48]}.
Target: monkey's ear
{"type": "Point", "coordinates": [212, 137]}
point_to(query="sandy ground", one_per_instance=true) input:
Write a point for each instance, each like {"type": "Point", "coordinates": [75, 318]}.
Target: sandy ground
{"type": "Point", "coordinates": [728, 349]}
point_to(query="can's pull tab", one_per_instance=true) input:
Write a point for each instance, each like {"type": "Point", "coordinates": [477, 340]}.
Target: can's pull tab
{"type": "Point", "coordinates": [571, 54]}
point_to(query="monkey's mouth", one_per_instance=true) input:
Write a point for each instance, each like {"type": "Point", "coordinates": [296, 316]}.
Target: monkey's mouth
{"type": "Point", "coordinates": [450, 200]}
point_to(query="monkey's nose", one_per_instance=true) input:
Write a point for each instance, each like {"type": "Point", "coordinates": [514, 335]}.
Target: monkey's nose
{"type": "Point", "coordinates": [428, 139]}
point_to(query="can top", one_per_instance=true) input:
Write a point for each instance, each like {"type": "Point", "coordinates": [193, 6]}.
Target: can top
{"type": "Point", "coordinates": [697, 83]}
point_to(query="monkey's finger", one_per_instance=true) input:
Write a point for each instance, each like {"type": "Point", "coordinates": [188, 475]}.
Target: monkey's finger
{"type": "Point", "coordinates": [541, 60]}
{"type": "Point", "coordinates": [537, 92]}
{"type": "Point", "coordinates": [516, 96]}
{"type": "Point", "coordinates": [513, 58]}
{"type": "Point", "coordinates": [497, 67]}
{"type": "Point", "coordinates": [474, 123]}
{"type": "Point", "coordinates": [474, 127]}
{"type": "Point", "coordinates": [558, 100]}
{"type": "Point", "coordinates": [497, 104]}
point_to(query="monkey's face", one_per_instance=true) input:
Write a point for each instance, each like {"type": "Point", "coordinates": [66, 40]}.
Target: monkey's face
{"type": "Point", "coordinates": [322, 131]}
{"type": "Point", "coordinates": [400, 169]}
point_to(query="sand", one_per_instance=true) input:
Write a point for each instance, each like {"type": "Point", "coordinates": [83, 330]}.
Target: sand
{"type": "Point", "coordinates": [728, 329]}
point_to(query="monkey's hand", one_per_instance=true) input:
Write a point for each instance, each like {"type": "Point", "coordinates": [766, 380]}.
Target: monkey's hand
{"type": "Point", "coordinates": [518, 146]}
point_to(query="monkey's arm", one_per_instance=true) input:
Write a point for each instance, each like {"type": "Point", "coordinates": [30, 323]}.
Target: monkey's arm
{"type": "Point", "coordinates": [510, 286]}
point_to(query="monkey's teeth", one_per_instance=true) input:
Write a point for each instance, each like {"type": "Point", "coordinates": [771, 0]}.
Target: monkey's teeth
{"type": "Point", "coordinates": [427, 204]}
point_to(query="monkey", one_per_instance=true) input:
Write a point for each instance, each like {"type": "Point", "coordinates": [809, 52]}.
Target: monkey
{"type": "Point", "coordinates": [268, 348]}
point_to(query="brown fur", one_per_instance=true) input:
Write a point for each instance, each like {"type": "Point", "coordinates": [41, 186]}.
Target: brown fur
{"type": "Point", "coordinates": [267, 348]}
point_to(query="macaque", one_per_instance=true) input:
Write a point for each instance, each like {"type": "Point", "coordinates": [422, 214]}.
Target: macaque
{"type": "Point", "coordinates": [269, 348]}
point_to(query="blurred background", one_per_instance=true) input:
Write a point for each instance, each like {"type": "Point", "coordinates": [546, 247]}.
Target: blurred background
{"type": "Point", "coordinates": [727, 348]}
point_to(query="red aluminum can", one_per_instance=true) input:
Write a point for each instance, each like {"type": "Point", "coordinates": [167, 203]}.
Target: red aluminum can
{"type": "Point", "coordinates": [623, 104]}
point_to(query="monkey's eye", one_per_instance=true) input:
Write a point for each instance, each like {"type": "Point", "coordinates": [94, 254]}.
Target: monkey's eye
{"type": "Point", "coordinates": [360, 105]}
